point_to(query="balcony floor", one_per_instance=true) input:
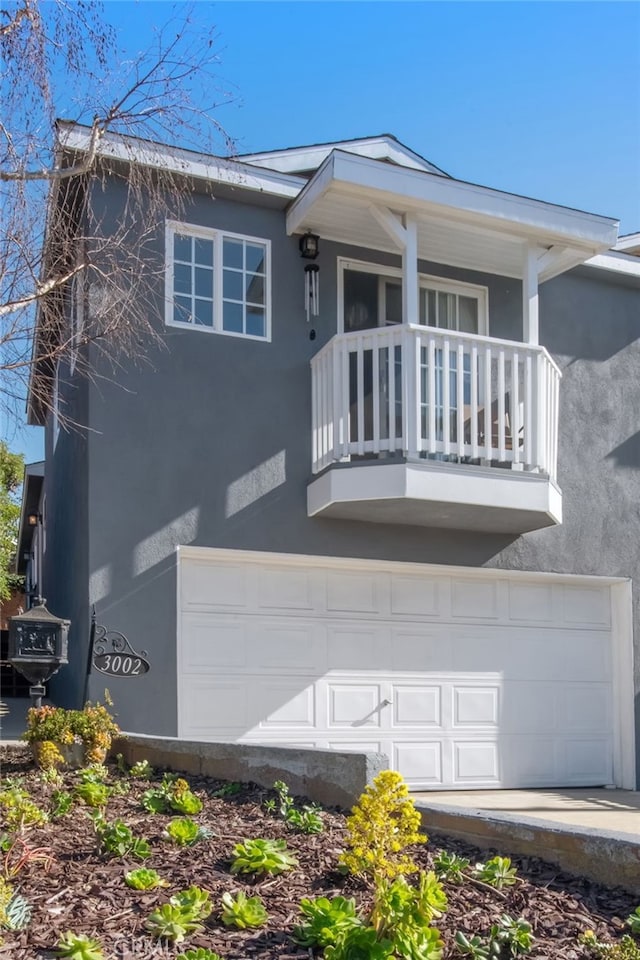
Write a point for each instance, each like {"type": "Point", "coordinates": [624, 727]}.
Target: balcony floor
{"type": "Point", "coordinates": [435, 494]}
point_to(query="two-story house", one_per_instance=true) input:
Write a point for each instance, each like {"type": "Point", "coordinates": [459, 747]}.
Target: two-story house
{"type": "Point", "coordinates": [381, 488]}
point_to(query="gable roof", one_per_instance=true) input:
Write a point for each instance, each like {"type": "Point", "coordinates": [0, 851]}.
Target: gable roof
{"type": "Point", "coordinates": [308, 158]}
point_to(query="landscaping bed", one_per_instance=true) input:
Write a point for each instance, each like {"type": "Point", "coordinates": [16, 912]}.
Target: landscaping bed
{"type": "Point", "coordinates": [83, 889]}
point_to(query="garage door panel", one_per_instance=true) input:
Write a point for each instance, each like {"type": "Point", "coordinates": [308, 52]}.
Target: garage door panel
{"type": "Point", "coordinates": [355, 705]}
{"type": "Point", "coordinates": [475, 762]}
{"type": "Point", "coordinates": [460, 682]}
{"type": "Point", "coordinates": [411, 596]}
{"type": "Point", "coordinates": [284, 704]}
{"type": "Point", "coordinates": [354, 593]}
{"type": "Point", "coordinates": [285, 589]}
{"type": "Point", "coordinates": [419, 761]}
{"type": "Point", "coordinates": [476, 706]}
{"type": "Point", "coordinates": [214, 586]}
{"type": "Point", "coordinates": [416, 706]}
{"type": "Point", "coordinates": [352, 645]}
{"type": "Point", "coordinates": [425, 649]}
{"type": "Point", "coordinates": [474, 600]}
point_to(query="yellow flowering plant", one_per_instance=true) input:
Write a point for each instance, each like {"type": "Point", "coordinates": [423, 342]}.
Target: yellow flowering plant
{"type": "Point", "coordinates": [51, 728]}
{"type": "Point", "coordinates": [383, 823]}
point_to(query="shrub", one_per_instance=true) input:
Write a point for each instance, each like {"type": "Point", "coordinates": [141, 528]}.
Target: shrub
{"type": "Point", "coordinates": [383, 823]}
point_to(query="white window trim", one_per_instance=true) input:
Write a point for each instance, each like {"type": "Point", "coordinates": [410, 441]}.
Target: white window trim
{"type": "Point", "coordinates": [425, 280]}
{"type": "Point", "coordinates": [192, 229]}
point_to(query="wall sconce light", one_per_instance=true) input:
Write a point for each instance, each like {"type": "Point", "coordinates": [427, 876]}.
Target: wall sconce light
{"type": "Point", "coordinates": [33, 519]}
{"type": "Point", "coordinates": [309, 246]}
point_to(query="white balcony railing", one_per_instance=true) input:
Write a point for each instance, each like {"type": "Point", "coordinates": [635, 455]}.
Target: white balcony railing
{"type": "Point", "coordinates": [384, 391]}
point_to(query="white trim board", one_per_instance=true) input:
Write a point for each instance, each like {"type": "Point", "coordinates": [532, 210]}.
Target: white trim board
{"type": "Point", "coordinates": [424, 191]}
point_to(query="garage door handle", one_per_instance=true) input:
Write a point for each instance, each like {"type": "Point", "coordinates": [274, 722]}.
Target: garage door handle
{"type": "Point", "coordinates": [387, 703]}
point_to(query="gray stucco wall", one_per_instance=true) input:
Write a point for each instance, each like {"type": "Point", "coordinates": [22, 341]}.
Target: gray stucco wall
{"type": "Point", "coordinates": [173, 440]}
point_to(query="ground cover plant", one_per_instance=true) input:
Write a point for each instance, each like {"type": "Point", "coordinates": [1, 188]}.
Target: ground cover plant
{"type": "Point", "coordinates": [108, 882]}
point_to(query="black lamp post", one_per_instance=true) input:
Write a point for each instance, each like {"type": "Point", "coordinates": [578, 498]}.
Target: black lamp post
{"type": "Point", "coordinates": [38, 647]}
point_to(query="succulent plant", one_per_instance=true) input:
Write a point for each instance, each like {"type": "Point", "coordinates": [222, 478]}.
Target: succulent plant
{"type": "Point", "coordinates": [79, 946]}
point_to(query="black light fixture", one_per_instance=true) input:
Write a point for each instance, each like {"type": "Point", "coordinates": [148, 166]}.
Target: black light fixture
{"type": "Point", "coordinates": [309, 246]}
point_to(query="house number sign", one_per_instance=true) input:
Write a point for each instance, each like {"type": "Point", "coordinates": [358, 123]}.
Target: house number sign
{"type": "Point", "coordinates": [114, 655]}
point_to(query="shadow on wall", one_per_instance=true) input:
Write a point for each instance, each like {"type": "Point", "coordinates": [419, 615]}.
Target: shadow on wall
{"type": "Point", "coordinates": [627, 454]}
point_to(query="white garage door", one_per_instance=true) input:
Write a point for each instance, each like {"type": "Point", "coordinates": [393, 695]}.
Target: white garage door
{"type": "Point", "coordinates": [468, 679]}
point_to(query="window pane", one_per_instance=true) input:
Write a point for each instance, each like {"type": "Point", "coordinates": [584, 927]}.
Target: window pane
{"type": "Point", "coordinates": [393, 296]}
{"type": "Point", "coordinates": [232, 317]}
{"type": "Point", "coordinates": [181, 278]}
{"type": "Point", "coordinates": [232, 253]}
{"type": "Point", "coordinates": [204, 251]}
{"type": "Point", "coordinates": [468, 314]}
{"type": "Point", "coordinates": [182, 309]}
{"type": "Point", "coordinates": [255, 322]}
{"type": "Point", "coordinates": [360, 300]}
{"type": "Point", "coordinates": [204, 313]}
{"type": "Point", "coordinates": [232, 285]}
{"type": "Point", "coordinates": [204, 282]}
{"type": "Point", "coordinates": [181, 247]}
{"type": "Point", "coordinates": [447, 311]}
{"type": "Point", "coordinates": [255, 288]}
{"type": "Point", "coordinates": [255, 257]}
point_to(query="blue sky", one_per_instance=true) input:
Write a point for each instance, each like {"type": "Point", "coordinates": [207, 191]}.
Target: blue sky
{"type": "Point", "coordinates": [541, 99]}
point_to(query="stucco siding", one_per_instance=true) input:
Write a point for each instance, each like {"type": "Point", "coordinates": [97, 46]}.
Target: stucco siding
{"type": "Point", "coordinates": [209, 443]}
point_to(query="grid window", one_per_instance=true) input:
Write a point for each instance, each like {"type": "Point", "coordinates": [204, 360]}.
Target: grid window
{"type": "Point", "coordinates": [218, 282]}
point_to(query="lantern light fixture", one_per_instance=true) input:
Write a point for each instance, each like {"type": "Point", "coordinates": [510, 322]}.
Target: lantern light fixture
{"type": "Point", "coordinates": [309, 246]}
{"type": "Point", "coordinates": [33, 519]}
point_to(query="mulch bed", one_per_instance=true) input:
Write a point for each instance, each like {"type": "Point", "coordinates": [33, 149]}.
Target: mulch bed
{"type": "Point", "coordinates": [85, 892]}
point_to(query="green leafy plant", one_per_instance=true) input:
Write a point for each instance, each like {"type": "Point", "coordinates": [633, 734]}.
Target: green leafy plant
{"type": "Point", "coordinates": [174, 794]}
{"type": "Point", "coordinates": [625, 949]}
{"type": "Point", "coordinates": [183, 831]}
{"type": "Point", "coordinates": [79, 946]}
{"type": "Point", "coordinates": [242, 911]}
{"type": "Point", "coordinates": [511, 936]}
{"type": "Point", "coordinates": [92, 794]}
{"type": "Point", "coordinates": [262, 856]}
{"type": "Point", "coordinates": [325, 921]}
{"type": "Point", "coordinates": [19, 809]}
{"type": "Point", "coordinates": [472, 946]}
{"type": "Point", "coordinates": [61, 803]}
{"type": "Point", "coordinates": [118, 839]}
{"type": "Point", "coordinates": [95, 773]}
{"type": "Point", "coordinates": [403, 914]}
{"type": "Point", "coordinates": [496, 872]}
{"type": "Point", "coordinates": [17, 913]}
{"type": "Point", "coordinates": [51, 776]}
{"type": "Point", "coordinates": [200, 954]}
{"type": "Point", "coordinates": [633, 921]}
{"type": "Point", "coordinates": [142, 770]}
{"type": "Point", "coordinates": [383, 823]}
{"type": "Point", "coordinates": [360, 943]}
{"type": "Point", "coordinates": [144, 879]}
{"type": "Point", "coordinates": [306, 819]}
{"type": "Point", "coordinates": [451, 867]}
{"type": "Point", "coordinates": [230, 789]}
{"type": "Point", "coordinates": [181, 916]}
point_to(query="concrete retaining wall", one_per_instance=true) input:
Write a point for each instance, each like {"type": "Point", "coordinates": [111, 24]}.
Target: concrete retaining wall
{"type": "Point", "coordinates": [326, 776]}
{"type": "Point", "coordinates": [609, 858]}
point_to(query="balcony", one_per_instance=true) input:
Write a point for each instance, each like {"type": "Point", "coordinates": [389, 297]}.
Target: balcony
{"type": "Point", "coordinates": [431, 427]}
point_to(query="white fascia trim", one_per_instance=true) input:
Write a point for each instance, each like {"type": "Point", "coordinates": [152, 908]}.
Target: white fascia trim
{"type": "Point", "coordinates": [628, 242]}
{"type": "Point", "coordinates": [310, 158]}
{"type": "Point", "coordinates": [479, 487]}
{"type": "Point", "coordinates": [176, 160]}
{"type": "Point", "coordinates": [357, 563]}
{"type": "Point", "coordinates": [616, 262]}
{"type": "Point", "coordinates": [412, 190]}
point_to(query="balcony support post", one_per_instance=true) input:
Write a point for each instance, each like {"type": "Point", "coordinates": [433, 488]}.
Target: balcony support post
{"type": "Point", "coordinates": [410, 272]}
{"type": "Point", "coordinates": [530, 320]}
